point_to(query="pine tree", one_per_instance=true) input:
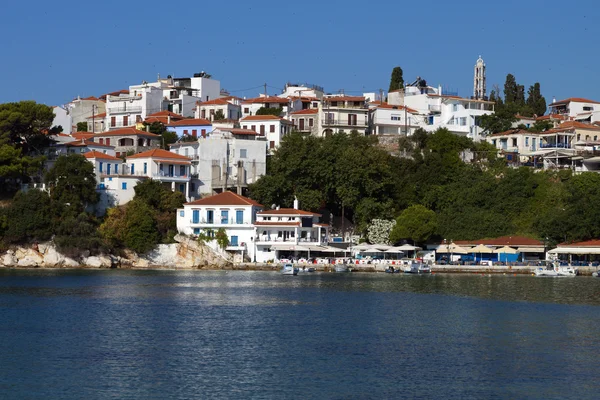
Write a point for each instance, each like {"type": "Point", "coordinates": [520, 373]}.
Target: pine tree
{"type": "Point", "coordinates": [396, 81]}
{"type": "Point", "coordinates": [535, 100]}
{"type": "Point", "coordinates": [510, 89]}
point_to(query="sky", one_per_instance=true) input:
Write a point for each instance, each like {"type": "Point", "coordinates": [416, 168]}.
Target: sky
{"type": "Point", "coordinates": [56, 51]}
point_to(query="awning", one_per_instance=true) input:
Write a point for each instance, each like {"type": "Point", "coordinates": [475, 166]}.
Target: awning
{"type": "Point", "coordinates": [288, 247]}
{"type": "Point", "coordinates": [575, 250]}
{"type": "Point", "coordinates": [530, 249]}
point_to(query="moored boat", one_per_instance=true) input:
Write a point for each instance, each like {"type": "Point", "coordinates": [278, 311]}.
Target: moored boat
{"type": "Point", "coordinates": [289, 269]}
{"type": "Point", "coordinates": [555, 270]}
{"type": "Point", "coordinates": [596, 274]}
{"type": "Point", "coordinates": [341, 268]}
{"type": "Point", "coordinates": [424, 269]}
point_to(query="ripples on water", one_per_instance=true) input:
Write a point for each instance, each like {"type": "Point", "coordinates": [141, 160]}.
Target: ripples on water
{"type": "Point", "coordinates": [197, 334]}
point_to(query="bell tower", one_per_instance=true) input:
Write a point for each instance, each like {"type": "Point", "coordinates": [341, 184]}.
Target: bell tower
{"type": "Point", "coordinates": [479, 80]}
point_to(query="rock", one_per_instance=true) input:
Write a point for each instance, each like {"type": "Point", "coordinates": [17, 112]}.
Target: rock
{"type": "Point", "coordinates": [20, 252]}
{"type": "Point", "coordinates": [164, 255]}
{"type": "Point", "coordinates": [85, 254]}
{"type": "Point", "coordinates": [70, 263]}
{"type": "Point", "coordinates": [191, 254]}
{"type": "Point", "coordinates": [97, 262]}
{"type": "Point", "coordinates": [140, 263]}
{"type": "Point", "coordinates": [9, 260]}
{"type": "Point", "coordinates": [30, 261]}
{"type": "Point", "coordinates": [44, 247]}
{"type": "Point", "coordinates": [52, 258]}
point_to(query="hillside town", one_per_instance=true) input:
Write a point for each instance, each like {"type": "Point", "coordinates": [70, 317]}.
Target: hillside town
{"type": "Point", "coordinates": [222, 144]}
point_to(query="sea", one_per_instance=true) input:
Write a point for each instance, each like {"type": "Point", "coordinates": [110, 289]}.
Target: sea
{"type": "Point", "coordinates": [124, 334]}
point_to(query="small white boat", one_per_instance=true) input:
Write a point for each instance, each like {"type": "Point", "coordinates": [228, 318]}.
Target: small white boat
{"type": "Point", "coordinates": [555, 269]}
{"type": "Point", "coordinates": [417, 267]}
{"type": "Point", "coordinates": [424, 269]}
{"type": "Point", "coordinates": [596, 274]}
{"type": "Point", "coordinates": [341, 268]}
{"type": "Point", "coordinates": [289, 269]}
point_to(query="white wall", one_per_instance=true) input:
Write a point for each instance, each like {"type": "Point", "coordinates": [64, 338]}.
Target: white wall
{"type": "Point", "coordinates": [63, 118]}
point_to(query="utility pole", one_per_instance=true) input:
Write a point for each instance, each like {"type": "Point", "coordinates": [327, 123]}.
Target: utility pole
{"type": "Point", "coordinates": [265, 90]}
{"type": "Point", "coordinates": [94, 118]}
{"type": "Point", "coordinates": [381, 95]}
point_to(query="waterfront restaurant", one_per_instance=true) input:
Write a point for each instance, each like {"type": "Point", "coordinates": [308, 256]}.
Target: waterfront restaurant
{"type": "Point", "coordinates": [525, 250]}
{"type": "Point", "coordinates": [578, 253]}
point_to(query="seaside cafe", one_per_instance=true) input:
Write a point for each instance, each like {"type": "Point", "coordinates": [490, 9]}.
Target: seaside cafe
{"type": "Point", "coordinates": [508, 249]}
{"type": "Point", "coordinates": [578, 253]}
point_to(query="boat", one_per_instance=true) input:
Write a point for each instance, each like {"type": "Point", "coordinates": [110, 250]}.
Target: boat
{"type": "Point", "coordinates": [596, 274]}
{"type": "Point", "coordinates": [392, 270]}
{"type": "Point", "coordinates": [305, 270]}
{"type": "Point", "coordinates": [555, 269]}
{"type": "Point", "coordinates": [289, 269]}
{"type": "Point", "coordinates": [341, 268]}
{"type": "Point", "coordinates": [416, 267]}
{"type": "Point", "coordinates": [424, 269]}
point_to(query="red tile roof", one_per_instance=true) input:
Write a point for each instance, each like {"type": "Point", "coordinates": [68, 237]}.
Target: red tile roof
{"type": "Point", "coordinates": [503, 241]}
{"type": "Point", "coordinates": [307, 111]}
{"type": "Point", "coordinates": [82, 135]}
{"type": "Point", "coordinates": [516, 131]}
{"type": "Point", "coordinates": [126, 132]}
{"type": "Point", "coordinates": [84, 143]}
{"type": "Point", "coordinates": [587, 243]}
{"type": "Point", "coordinates": [225, 199]}
{"type": "Point", "coordinates": [239, 131]}
{"type": "Point", "coordinates": [575, 100]}
{"type": "Point", "coordinates": [219, 102]}
{"type": "Point", "coordinates": [552, 116]}
{"type": "Point", "coordinates": [166, 113]}
{"type": "Point", "coordinates": [263, 118]}
{"type": "Point", "coordinates": [97, 154]}
{"type": "Point", "coordinates": [191, 122]}
{"type": "Point", "coordinates": [288, 211]}
{"type": "Point", "coordinates": [160, 153]}
{"type": "Point", "coordinates": [277, 223]}
{"type": "Point", "coordinates": [577, 125]}
{"type": "Point", "coordinates": [344, 98]}
{"type": "Point", "coordinates": [396, 107]}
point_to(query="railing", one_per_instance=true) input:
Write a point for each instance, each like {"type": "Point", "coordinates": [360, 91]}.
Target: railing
{"type": "Point", "coordinates": [167, 175]}
{"type": "Point", "coordinates": [343, 122]}
{"type": "Point", "coordinates": [328, 105]}
{"type": "Point", "coordinates": [555, 146]}
{"type": "Point", "coordinates": [435, 107]}
{"type": "Point", "coordinates": [132, 109]}
{"type": "Point", "coordinates": [231, 221]}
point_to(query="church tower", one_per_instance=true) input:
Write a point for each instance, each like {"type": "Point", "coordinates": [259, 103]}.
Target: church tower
{"type": "Point", "coordinates": [479, 80]}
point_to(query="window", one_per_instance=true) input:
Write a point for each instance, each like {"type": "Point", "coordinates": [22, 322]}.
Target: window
{"type": "Point", "coordinates": [246, 110]}
{"type": "Point", "coordinates": [224, 216]}
{"type": "Point", "coordinates": [243, 153]}
{"type": "Point", "coordinates": [253, 127]}
{"type": "Point", "coordinates": [272, 144]}
{"type": "Point", "coordinates": [514, 142]}
{"type": "Point", "coordinates": [108, 142]}
{"type": "Point", "coordinates": [587, 108]}
{"type": "Point", "coordinates": [352, 119]}
{"type": "Point", "coordinates": [271, 128]}
{"type": "Point", "coordinates": [196, 231]}
{"type": "Point", "coordinates": [463, 121]}
{"type": "Point", "coordinates": [101, 141]}
{"type": "Point", "coordinates": [454, 107]}
{"type": "Point", "coordinates": [203, 113]}
{"type": "Point", "coordinates": [113, 121]}
{"type": "Point", "coordinates": [108, 169]}
{"type": "Point", "coordinates": [182, 170]}
{"type": "Point", "coordinates": [185, 132]}
{"type": "Point", "coordinates": [526, 141]}
{"type": "Point", "coordinates": [194, 133]}
{"type": "Point", "coordinates": [125, 120]}
{"type": "Point", "coordinates": [245, 127]}
{"type": "Point", "coordinates": [262, 129]}
{"type": "Point", "coordinates": [203, 133]}
{"type": "Point", "coordinates": [138, 119]}
{"type": "Point", "coordinates": [311, 122]}
{"type": "Point", "coordinates": [182, 213]}
{"type": "Point", "coordinates": [239, 216]}
{"type": "Point", "coordinates": [396, 117]}
{"type": "Point", "coordinates": [195, 216]}
{"type": "Point", "coordinates": [145, 168]}
{"type": "Point", "coordinates": [234, 241]}
{"type": "Point", "coordinates": [595, 138]}
{"type": "Point", "coordinates": [124, 185]}
{"type": "Point", "coordinates": [210, 216]}
{"type": "Point", "coordinates": [100, 166]}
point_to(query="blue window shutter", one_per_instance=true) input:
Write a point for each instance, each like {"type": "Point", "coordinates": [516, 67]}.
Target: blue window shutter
{"type": "Point", "coordinates": [196, 216]}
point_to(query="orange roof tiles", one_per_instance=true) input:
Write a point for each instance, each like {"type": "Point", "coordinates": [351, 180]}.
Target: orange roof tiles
{"type": "Point", "coordinates": [85, 142]}
{"type": "Point", "coordinates": [516, 131]}
{"type": "Point", "coordinates": [97, 154]}
{"type": "Point", "coordinates": [289, 211]}
{"type": "Point", "coordinates": [503, 241]}
{"type": "Point", "coordinates": [159, 153]}
{"type": "Point", "coordinates": [267, 100]}
{"type": "Point", "coordinates": [219, 102]}
{"type": "Point", "coordinates": [344, 98]}
{"type": "Point", "coordinates": [552, 116]}
{"type": "Point", "coordinates": [166, 113]}
{"type": "Point", "coordinates": [396, 107]}
{"type": "Point", "coordinates": [225, 199]}
{"type": "Point", "coordinates": [262, 118]}
{"type": "Point", "coordinates": [575, 100]}
{"type": "Point", "coordinates": [126, 132]}
{"type": "Point", "coordinates": [586, 243]}
{"type": "Point", "coordinates": [277, 223]}
{"type": "Point", "coordinates": [576, 125]}
{"type": "Point", "coordinates": [191, 122]}
{"type": "Point", "coordinates": [239, 131]}
{"type": "Point", "coordinates": [307, 111]}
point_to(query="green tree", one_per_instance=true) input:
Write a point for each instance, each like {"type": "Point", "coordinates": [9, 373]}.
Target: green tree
{"type": "Point", "coordinates": [541, 126]}
{"type": "Point", "coordinates": [140, 233]}
{"type": "Point", "coordinates": [222, 238]}
{"type": "Point", "coordinates": [511, 90]}
{"type": "Point", "coordinates": [396, 80]}
{"type": "Point", "coordinates": [29, 217]}
{"type": "Point", "coordinates": [219, 116]}
{"type": "Point", "coordinates": [535, 101]}
{"type": "Point", "coordinates": [76, 233]}
{"type": "Point", "coordinates": [82, 127]}
{"type": "Point", "coordinates": [501, 121]}
{"type": "Point", "coordinates": [72, 184]}
{"type": "Point", "coordinates": [276, 111]}
{"type": "Point", "coordinates": [167, 137]}
{"type": "Point", "coordinates": [416, 223]}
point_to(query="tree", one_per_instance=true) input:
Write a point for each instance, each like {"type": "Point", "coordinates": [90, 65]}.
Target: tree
{"type": "Point", "coordinates": [535, 100]}
{"type": "Point", "coordinates": [379, 231]}
{"type": "Point", "coordinates": [140, 234]}
{"type": "Point", "coordinates": [76, 233]}
{"type": "Point", "coordinates": [276, 111]}
{"type": "Point", "coordinates": [501, 121]}
{"type": "Point", "coordinates": [541, 126]}
{"type": "Point", "coordinates": [167, 137]}
{"type": "Point", "coordinates": [29, 217]}
{"type": "Point", "coordinates": [416, 223]}
{"type": "Point", "coordinates": [219, 116]}
{"type": "Point", "coordinates": [511, 90]}
{"type": "Point", "coordinates": [222, 238]}
{"type": "Point", "coordinates": [396, 80]}
{"type": "Point", "coordinates": [72, 183]}
{"type": "Point", "coordinates": [82, 127]}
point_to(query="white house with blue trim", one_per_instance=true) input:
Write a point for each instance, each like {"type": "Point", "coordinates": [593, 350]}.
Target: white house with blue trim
{"type": "Point", "coordinates": [190, 127]}
{"type": "Point", "coordinates": [228, 210]}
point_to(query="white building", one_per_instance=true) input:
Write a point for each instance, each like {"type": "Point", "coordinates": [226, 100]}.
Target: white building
{"type": "Point", "coordinates": [288, 230]}
{"type": "Point", "coordinates": [226, 159]}
{"type": "Point", "coordinates": [80, 109]}
{"type": "Point", "coordinates": [172, 169]}
{"type": "Point", "coordinates": [251, 106]}
{"type": "Point", "coordinates": [128, 109]}
{"type": "Point", "coordinates": [388, 119]}
{"type": "Point", "coordinates": [577, 108]}
{"type": "Point", "coordinates": [229, 106]}
{"type": "Point", "coordinates": [302, 90]}
{"type": "Point", "coordinates": [344, 113]}
{"type": "Point", "coordinates": [232, 212]}
{"type": "Point", "coordinates": [127, 140]}
{"type": "Point", "coordinates": [62, 117]}
{"type": "Point", "coordinates": [269, 126]}
{"type": "Point", "coordinates": [457, 114]}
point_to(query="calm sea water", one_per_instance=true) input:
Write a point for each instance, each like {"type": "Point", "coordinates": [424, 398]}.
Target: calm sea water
{"type": "Point", "coordinates": [260, 335]}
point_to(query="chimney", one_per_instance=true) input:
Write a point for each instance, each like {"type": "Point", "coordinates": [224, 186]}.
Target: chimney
{"type": "Point", "coordinates": [295, 203]}
{"type": "Point", "coordinates": [277, 208]}
{"type": "Point", "coordinates": [440, 90]}
{"type": "Point", "coordinates": [147, 128]}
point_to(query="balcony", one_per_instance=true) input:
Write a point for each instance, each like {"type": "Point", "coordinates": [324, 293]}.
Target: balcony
{"type": "Point", "coordinates": [122, 110]}
{"type": "Point", "coordinates": [555, 145]}
{"type": "Point", "coordinates": [344, 122]}
{"type": "Point", "coordinates": [435, 108]}
{"type": "Point", "coordinates": [217, 222]}
{"type": "Point", "coordinates": [165, 176]}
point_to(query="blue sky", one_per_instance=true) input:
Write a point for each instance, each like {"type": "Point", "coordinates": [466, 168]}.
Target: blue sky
{"type": "Point", "coordinates": [54, 51]}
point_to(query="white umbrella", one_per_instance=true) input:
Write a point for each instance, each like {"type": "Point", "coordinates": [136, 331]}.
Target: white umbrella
{"type": "Point", "coordinates": [372, 251]}
{"type": "Point", "coordinates": [381, 246]}
{"type": "Point", "coordinates": [506, 249]}
{"type": "Point", "coordinates": [363, 246]}
{"type": "Point", "coordinates": [409, 247]}
{"type": "Point", "coordinates": [451, 248]}
{"type": "Point", "coordinates": [395, 250]}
